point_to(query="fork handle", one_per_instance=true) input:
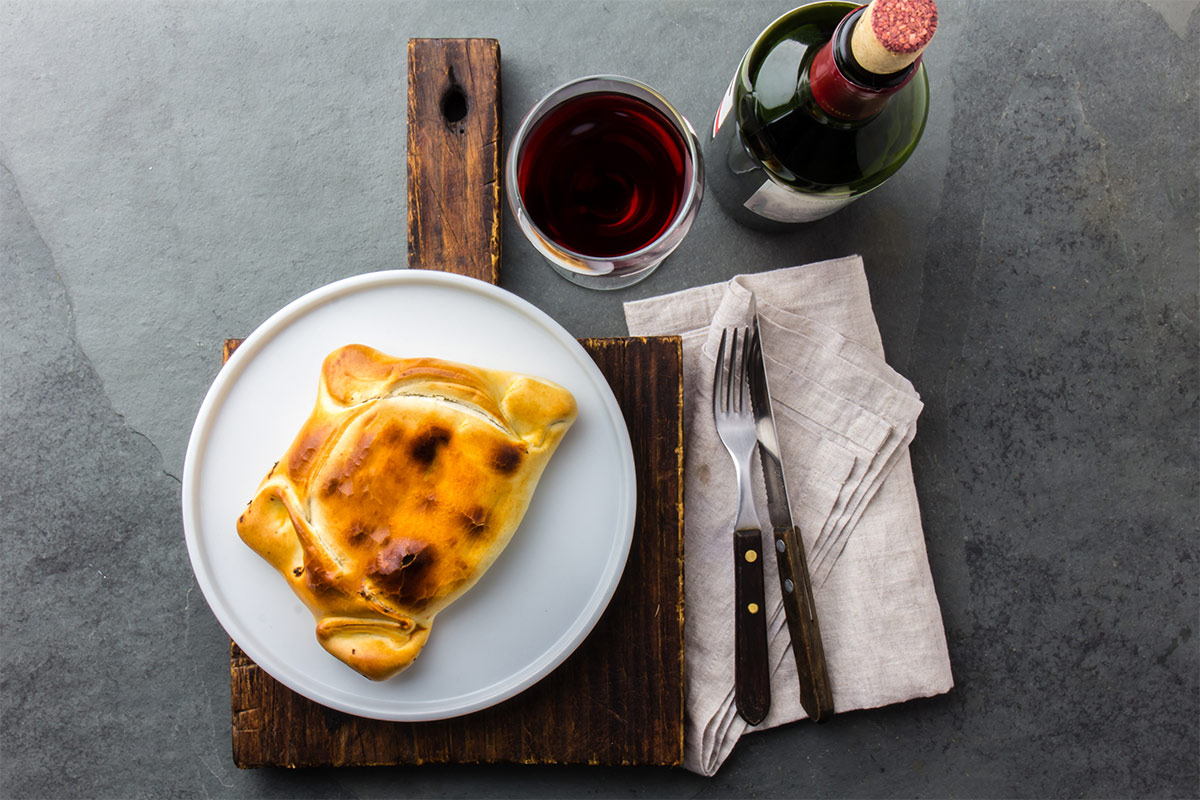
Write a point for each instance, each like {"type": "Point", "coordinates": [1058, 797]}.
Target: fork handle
{"type": "Point", "coordinates": [752, 680]}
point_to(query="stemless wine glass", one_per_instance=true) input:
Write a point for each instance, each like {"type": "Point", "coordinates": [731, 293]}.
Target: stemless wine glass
{"type": "Point", "coordinates": [604, 178]}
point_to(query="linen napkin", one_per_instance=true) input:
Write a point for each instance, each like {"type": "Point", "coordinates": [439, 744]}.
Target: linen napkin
{"type": "Point", "coordinates": [845, 420]}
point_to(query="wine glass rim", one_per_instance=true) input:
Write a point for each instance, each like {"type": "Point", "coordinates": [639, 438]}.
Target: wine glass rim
{"type": "Point", "coordinates": [555, 97]}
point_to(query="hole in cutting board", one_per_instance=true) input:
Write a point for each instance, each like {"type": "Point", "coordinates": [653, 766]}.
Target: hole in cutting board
{"type": "Point", "coordinates": [454, 105]}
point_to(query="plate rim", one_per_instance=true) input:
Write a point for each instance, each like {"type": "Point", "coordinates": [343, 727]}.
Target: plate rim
{"type": "Point", "coordinates": [477, 699]}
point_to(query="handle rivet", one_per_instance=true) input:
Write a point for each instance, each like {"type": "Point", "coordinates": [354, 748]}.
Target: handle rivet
{"type": "Point", "coordinates": [788, 585]}
{"type": "Point", "coordinates": [779, 545]}
{"type": "Point", "coordinates": [751, 556]}
{"type": "Point", "coordinates": [752, 608]}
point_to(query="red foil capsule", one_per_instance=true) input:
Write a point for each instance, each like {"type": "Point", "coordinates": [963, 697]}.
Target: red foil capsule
{"type": "Point", "coordinates": [838, 95]}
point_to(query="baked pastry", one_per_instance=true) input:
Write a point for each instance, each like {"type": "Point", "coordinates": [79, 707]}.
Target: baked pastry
{"type": "Point", "coordinates": [399, 491]}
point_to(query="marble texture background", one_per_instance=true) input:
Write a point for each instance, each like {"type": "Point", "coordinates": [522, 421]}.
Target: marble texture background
{"type": "Point", "coordinates": [172, 173]}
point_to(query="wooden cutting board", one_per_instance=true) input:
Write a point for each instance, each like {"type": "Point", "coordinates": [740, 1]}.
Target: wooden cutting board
{"type": "Point", "coordinates": [619, 698]}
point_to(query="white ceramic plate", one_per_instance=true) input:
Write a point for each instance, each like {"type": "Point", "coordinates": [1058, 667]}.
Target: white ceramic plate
{"type": "Point", "coordinates": [543, 594]}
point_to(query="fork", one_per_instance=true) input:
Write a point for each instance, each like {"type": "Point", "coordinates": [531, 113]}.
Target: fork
{"type": "Point", "coordinates": [735, 425]}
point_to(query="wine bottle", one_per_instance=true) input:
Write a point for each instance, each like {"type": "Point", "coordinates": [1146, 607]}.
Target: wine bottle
{"type": "Point", "coordinates": [827, 104]}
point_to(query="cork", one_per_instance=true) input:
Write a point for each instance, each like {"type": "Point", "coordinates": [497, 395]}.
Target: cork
{"type": "Point", "coordinates": [891, 34]}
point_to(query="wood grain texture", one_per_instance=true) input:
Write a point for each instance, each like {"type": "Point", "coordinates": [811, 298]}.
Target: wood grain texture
{"type": "Point", "coordinates": [454, 124]}
{"type": "Point", "coordinates": [617, 700]}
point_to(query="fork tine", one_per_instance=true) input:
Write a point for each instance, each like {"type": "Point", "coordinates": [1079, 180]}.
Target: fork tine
{"type": "Point", "coordinates": [735, 396]}
{"type": "Point", "coordinates": [744, 373]}
{"type": "Point", "coordinates": [718, 384]}
{"type": "Point", "coordinates": [732, 376]}
{"type": "Point", "coordinates": [729, 393]}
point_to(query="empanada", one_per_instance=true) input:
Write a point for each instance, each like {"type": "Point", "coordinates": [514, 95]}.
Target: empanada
{"type": "Point", "coordinates": [399, 491]}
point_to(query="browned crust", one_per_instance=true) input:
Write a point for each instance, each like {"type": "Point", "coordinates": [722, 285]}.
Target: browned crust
{"type": "Point", "coordinates": [400, 489]}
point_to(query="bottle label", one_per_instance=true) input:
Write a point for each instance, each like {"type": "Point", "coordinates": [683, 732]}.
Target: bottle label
{"type": "Point", "coordinates": [780, 204]}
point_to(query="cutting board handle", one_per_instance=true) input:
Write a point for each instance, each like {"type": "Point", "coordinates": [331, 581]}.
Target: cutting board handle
{"type": "Point", "coordinates": [454, 150]}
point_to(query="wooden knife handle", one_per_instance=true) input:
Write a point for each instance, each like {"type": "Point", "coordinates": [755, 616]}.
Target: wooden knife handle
{"type": "Point", "coordinates": [816, 695]}
{"type": "Point", "coordinates": [752, 678]}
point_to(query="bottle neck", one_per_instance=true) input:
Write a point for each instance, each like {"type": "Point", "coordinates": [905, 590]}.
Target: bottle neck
{"type": "Point", "coordinates": [842, 87]}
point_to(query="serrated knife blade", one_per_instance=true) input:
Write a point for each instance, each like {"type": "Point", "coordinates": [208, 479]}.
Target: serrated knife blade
{"type": "Point", "coordinates": [816, 696]}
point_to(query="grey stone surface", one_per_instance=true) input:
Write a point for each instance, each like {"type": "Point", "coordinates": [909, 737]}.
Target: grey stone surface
{"type": "Point", "coordinates": [171, 174]}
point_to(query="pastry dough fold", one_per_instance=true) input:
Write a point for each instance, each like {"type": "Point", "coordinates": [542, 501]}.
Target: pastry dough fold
{"type": "Point", "coordinates": [405, 483]}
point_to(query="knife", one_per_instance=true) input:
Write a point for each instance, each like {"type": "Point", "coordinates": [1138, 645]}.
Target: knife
{"type": "Point", "coordinates": [816, 696]}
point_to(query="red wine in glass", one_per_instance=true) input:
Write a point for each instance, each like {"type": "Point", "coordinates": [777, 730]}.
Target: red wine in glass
{"type": "Point", "coordinates": [603, 174]}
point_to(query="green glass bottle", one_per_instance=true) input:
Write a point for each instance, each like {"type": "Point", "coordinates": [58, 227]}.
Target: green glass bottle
{"type": "Point", "coordinates": [809, 123]}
